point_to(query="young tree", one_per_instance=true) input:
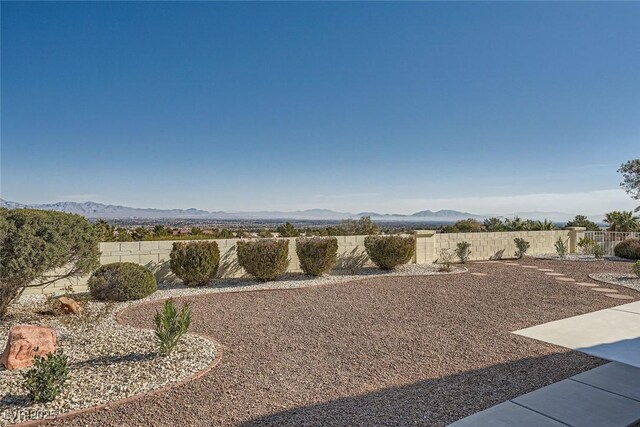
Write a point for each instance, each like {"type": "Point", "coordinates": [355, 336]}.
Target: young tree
{"type": "Point", "coordinates": [464, 226]}
{"type": "Point", "coordinates": [631, 178]}
{"type": "Point", "coordinates": [34, 243]}
{"type": "Point", "coordinates": [364, 227]}
{"type": "Point", "coordinates": [287, 230]}
{"type": "Point", "coordinates": [104, 231]}
{"type": "Point", "coordinates": [583, 221]}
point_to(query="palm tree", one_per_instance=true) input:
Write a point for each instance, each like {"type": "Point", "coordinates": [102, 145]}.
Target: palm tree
{"type": "Point", "coordinates": [622, 221]}
{"type": "Point", "coordinates": [543, 225]}
{"type": "Point", "coordinates": [493, 224]}
{"type": "Point", "coordinates": [516, 224]}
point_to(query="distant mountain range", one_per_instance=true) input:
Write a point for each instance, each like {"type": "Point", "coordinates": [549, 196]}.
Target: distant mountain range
{"type": "Point", "coordinates": [99, 210]}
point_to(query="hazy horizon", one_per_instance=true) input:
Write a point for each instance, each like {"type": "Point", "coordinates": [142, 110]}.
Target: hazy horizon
{"type": "Point", "coordinates": [387, 107]}
{"type": "Point", "coordinates": [615, 199]}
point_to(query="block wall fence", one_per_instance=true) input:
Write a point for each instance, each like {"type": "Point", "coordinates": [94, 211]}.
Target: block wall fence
{"type": "Point", "coordinates": [154, 255]}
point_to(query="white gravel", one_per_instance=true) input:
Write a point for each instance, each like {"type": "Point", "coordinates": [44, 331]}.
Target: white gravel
{"type": "Point", "coordinates": [623, 279]}
{"type": "Point", "coordinates": [110, 361]}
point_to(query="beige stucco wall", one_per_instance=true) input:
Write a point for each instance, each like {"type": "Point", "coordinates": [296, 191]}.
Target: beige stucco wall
{"type": "Point", "coordinates": [351, 253]}
{"type": "Point", "coordinates": [485, 246]}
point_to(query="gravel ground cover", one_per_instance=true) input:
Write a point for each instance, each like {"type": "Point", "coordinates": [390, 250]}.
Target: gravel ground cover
{"type": "Point", "coordinates": [419, 350]}
{"type": "Point", "coordinates": [108, 362]}
{"type": "Point", "coordinates": [621, 279]}
{"type": "Point", "coordinates": [568, 257]}
{"type": "Point", "coordinates": [111, 361]}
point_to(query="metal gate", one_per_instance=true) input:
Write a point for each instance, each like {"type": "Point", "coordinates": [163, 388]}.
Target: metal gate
{"type": "Point", "coordinates": [609, 239]}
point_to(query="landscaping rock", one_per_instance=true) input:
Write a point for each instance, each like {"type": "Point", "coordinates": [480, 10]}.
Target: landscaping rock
{"type": "Point", "coordinates": [69, 305]}
{"type": "Point", "coordinates": [23, 339]}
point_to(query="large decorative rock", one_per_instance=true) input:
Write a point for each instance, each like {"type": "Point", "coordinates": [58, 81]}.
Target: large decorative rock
{"type": "Point", "coordinates": [23, 339]}
{"type": "Point", "coordinates": [69, 305]}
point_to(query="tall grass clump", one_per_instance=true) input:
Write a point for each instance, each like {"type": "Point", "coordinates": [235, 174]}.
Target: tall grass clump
{"type": "Point", "coordinates": [171, 325]}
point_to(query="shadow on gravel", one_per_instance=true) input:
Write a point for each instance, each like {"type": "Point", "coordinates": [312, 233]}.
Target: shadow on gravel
{"type": "Point", "coordinates": [438, 401]}
{"type": "Point", "coordinates": [110, 360]}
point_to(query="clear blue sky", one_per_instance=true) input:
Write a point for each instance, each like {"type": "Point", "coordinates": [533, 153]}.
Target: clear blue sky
{"type": "Point", "coordinates": [350, 106]}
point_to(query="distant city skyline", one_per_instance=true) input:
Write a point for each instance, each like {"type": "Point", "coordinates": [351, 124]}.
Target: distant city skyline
{"type": "Point", "coordinates": [386, 107]}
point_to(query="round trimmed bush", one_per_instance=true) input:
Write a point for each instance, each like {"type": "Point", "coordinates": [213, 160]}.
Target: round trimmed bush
{"type": "Point", "coordinates": [195, 263]}
{"type": "Point", "coordinates": [122, 281]}
{"type": "Point", "coordinates": [264, 259]}
{"type": "Point", "coordinates": [317, 255]}
{"type": "Point", "coordinates": [629, 249]}
{"type": "Point", "coordinates": [388, 252]}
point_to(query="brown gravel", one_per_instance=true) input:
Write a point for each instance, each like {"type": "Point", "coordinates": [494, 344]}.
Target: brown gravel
{"type": "Point", "coordinates": [381, 351]}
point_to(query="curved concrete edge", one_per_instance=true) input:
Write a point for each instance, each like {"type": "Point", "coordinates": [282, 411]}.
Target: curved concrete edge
{"type": "Point", "coordinates": [218, 346]}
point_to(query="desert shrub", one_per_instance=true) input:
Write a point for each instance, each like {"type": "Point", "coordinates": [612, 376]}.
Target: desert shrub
{"type": "Point", "coordinates": [264, 259]}
{"type": "Point", "coordinates": [195, 263]}
{"type": "Point", "coordinates": [636, 268]}
{"type": "Point", "coordinates": [121, 281]}
{"type": "Point", "coordinates": [317, 255]}
{"type": "Point", "coordinates": [561, 248]}
{"type": "Point", "coordinates": [445, 260]}
{"type": "Point", "coordinates": [171, 325]}
{"type": "Point", "coordinates": [522, 246]}
{"type": "Point", "coordinates": [48, 377]}
{"type": "Point", "coordinates": [463, 251]}
{"type": "Point", "coordinates": [388, 252]}
{"type": "Point", "coordinates": [586, 245]}
{"type": "Point", "coordinates": [597, 250]}
{"type": "Point", "coordinates": [35, 242]}
{"type": "Point", "coordinates": [629, 249]}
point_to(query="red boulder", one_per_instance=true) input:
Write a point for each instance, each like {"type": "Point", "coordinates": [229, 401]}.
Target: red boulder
{"type": "Point", "coordinates": [23, 339]}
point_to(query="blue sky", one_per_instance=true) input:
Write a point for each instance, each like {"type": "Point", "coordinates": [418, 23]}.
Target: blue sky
{"type": "Point", "coordinates": [394, 107]}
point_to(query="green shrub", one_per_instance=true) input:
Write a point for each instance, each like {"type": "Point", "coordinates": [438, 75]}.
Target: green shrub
{"type": "Point", "coordinates": [122, 281]}
{"type": "Point", "coordinates": [388, 252]}
{"type": "Point", "coordinates": [636, 268]}
{"type": "Point", "coordinates": [264, 259]}
{"type": "Point", "coordinates": [587, 245]}
{"type": "Point", "coordinates": [522, 246]}
{"type": "Point", "coordinates": [629, 249]}
{"type": "Point", "coordinates": [287, 230]}
{"type": "Point", "coordinates": [561, 248]}
{"type": "Point", "coordinates": [597, 250]}
{"type": "Point", "coordinates": [171, 325]}
{"type": "Point", "coordinates": [195, 263]}
{"type": "Point", "coordinates": [317, 255]}
{"type": "Point", "coordinates": [34, 242]}
{"type": "Point", "coordinates": [48, 377]}
{"type": "Point", "coordinates": [445, 260]}
{"type": "Point", "coordinates": [463, 251]}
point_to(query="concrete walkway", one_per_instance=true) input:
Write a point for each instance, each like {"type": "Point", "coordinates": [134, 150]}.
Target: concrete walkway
{"type": "Point", "coordinates": [607, 396]}
{"type": "Point", "coordinates": [612, 334]}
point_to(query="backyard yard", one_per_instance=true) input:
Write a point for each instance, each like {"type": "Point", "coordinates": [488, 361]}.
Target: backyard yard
{"type": "Point", "coordinates": [419, 350]}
